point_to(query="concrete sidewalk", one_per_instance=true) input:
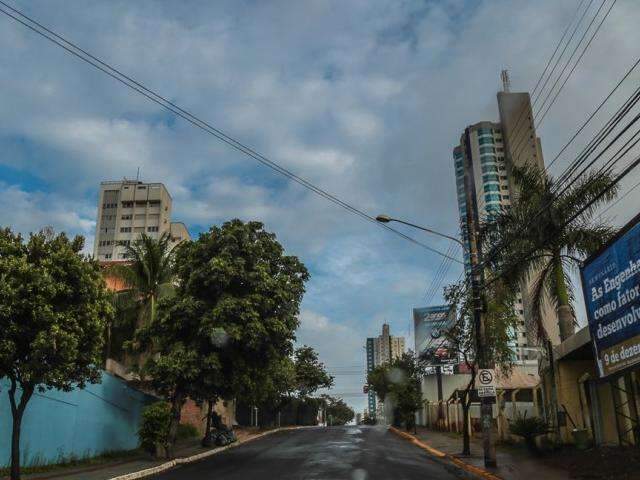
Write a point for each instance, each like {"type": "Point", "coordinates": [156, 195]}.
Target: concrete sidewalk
{"type": "Point", "coordinates": [115, 468]}
{"type": "Point", "coordinates": [514, 462]}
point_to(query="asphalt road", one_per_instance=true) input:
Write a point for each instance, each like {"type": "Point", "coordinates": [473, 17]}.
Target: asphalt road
{"type": "Point", "coordinates": [344, 453]}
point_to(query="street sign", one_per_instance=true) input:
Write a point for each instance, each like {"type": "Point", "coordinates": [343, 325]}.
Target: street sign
{"type": "Point", "coordinates": [489, 391]}
{"type": "Point", "coordinates": [486, 382]}
{"type": "Point", "coordinates": [487, 377]}
{"type": "Point", "coordinates": [447, 369]}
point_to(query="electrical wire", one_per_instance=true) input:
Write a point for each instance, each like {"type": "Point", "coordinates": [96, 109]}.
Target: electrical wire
{"type": "Point", "coordinates": [135, 85]}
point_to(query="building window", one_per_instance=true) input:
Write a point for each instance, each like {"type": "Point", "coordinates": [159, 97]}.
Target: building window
{"type": "Point", "coordinates": [485, 141]}
{"type": "Point", "coordinates": [107, 256]}
{"type": "Point", "coordinates": [487, 150]}
{"type": "Point", "coordinates": [142, 187]}
{"type": "Point", "coordinates": [489, 169]}
{"type": "Point", "coordinates": [152, 229]}
{"type": "Point", "coordinates": [127, 204]}
{"type": "Point", "coordinates": [126, 217]}
{"type": "Point", "coordinates": [125, 229]}
{"type": "Point", "coordinates": [504, 187]}
{"type": "Point", "coordinates": [491, 198]}
{"type": "Point", "coordinates": [505, 197]}
{"type": "Point", "coordinates": [154, 202]}
{"type": "Point", "coordinates": [491, 188]}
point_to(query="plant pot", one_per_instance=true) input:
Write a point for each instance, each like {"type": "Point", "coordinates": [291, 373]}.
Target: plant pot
{"type": "Point", "coordinates": [581, 438]}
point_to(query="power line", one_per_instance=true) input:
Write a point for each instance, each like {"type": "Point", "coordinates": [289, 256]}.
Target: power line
{"type": "Point", "coordinates": [135, 85]}
{"type": "Point", "coordinates": [515, 136]}
{"type": "Point", "coordinates": [517, 149]}
{"type": "Point", "coordinates": [619, 200]}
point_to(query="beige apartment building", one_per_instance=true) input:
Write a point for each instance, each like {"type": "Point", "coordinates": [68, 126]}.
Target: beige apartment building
{"type": "Point", "coordinates": [387, 347]}
{"type": "Point", "coordinates": [488, 151]}
{"type": "Point", "coordinates": [128, 208]}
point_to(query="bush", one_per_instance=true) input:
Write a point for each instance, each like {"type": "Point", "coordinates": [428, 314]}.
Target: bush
{"type": "Point", "coordinates": [529, 429]}
{"type": "Point", "coordinates": [154, 429]}
{"type": "Point", "coordinates": [187, 430]}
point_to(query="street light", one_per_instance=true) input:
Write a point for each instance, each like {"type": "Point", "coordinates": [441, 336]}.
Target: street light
{"type": "Point", "coordinates": [387, 219]}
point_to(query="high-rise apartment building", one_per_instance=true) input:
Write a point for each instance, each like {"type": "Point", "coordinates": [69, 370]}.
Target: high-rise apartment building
{"type": "Point", "coordinates": [487, 152]}
{"type": "Point", "coordinates": [380, 350]}
{"type": "Point", "coordinates": [128, 208]}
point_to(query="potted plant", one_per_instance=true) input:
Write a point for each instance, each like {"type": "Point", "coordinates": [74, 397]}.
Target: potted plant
{"type": "Point", "coordinates": [529, 429]}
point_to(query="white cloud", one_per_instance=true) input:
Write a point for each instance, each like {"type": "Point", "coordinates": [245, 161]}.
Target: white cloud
{"type": "Point", "coordinates": [28, 212]}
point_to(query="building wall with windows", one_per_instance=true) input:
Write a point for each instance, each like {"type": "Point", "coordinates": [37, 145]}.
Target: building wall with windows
{"type": "Point", "coordinates": [126, 209]}
{"type": "Point", "coordinates": [487, 152]}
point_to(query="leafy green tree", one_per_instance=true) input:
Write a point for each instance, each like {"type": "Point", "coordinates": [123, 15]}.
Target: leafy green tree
{"type": "Point", "coordinates": [546, 234]}
{"type": "Point", "coordinates": [177, 364]}
{"type": "Point", "coordinates": [462, 341]}
{"type": "Point", "coordinates": [399, 382]}
{"type": "Point", "coordinates": [310, 373]}
{"type": "Point", "coordinates": [337, 412]}
{"type": "Point", "coordinates": [53, 311]}
{"type": "Point", "coordinates": [148, 272]}
{"type": "Point", "coordinates": [231, 323]}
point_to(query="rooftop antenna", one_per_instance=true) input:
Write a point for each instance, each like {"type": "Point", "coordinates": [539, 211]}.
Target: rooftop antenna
{"type": "Point", "coordinates": [506, 81]}
{"type": "Point", "coordinates": [138, 176]}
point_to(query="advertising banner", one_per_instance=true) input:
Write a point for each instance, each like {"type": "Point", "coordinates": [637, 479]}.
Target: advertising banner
{"type": "Point", "coordinates": [611, 287]}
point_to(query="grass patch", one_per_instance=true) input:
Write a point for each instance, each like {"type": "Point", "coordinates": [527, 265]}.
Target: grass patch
{"type": "Point", "coordinates": [39, 465]}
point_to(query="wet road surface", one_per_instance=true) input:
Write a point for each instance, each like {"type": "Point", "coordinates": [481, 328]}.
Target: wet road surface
{"type": "Point", "coordinates": [349, 453]}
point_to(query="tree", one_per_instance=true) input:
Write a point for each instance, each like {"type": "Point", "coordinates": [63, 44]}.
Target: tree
{"type": "Point", "coordinates": [231, 323]}
{"type": "Point", "coordinates": [337, 412]}
{"type": "Point", "coordinates": [310, 373]}
{"type": "Point", "coordinates": [53, 311]}
{"type": "Point", "coordinates": [546, 234]}
{"type": "Point", "coordinates": [461, 337]}
{"type": "Point", "coordinates": [399, 382]}
{"type": "Point", "coordinates": [148, 273]}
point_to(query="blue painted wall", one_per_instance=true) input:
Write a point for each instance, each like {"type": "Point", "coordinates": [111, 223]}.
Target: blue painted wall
{"type": "Point", "coordinates": [102, 417]}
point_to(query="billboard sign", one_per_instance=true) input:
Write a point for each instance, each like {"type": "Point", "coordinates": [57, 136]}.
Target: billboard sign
{"type": "Point", "coordinates": [430, 324]}
{"type": "Point", "coordinates": [611, 287]}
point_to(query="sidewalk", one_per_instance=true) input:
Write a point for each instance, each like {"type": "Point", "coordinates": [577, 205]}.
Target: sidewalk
{"type": "Point", "coordinates": [115, 468]}
{"type": "Point", "coordinates": [514, 462]}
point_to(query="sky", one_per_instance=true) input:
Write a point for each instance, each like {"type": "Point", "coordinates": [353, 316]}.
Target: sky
{"type": "Point", "coordinates": [364, 98]}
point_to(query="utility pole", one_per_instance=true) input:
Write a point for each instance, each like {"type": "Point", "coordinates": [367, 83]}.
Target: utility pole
{"type": "Point", "coordinates": [477, 274]}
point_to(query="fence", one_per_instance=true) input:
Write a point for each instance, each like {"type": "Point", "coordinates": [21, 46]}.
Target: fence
{"type": "Point", "coordinates": [61, 425]}
{"type": "Point", "coordinates": [448, 416]}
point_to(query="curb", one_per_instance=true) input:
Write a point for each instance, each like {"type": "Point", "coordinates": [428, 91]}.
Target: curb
{"type": "Point", "coordinates": [193, 458]}
{"type": "Point", "coordinates": [468, 471]}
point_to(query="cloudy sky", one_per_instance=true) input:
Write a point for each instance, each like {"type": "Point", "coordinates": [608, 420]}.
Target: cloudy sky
{"type": "Point", "coordinates": [364, 98]}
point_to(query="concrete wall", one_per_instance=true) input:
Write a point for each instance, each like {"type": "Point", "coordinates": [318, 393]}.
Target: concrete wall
{"type": "Point", "coordinates": [81, 423]}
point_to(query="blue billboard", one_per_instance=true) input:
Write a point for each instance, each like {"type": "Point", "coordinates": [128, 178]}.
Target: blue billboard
{"type": "Point", "coordinates": [611, 287]}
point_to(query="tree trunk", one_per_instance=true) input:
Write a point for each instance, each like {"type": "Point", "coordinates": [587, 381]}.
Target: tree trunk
{"type": "Point", "coordinates": [206, 441]}
{"type": "Point", "coordinates": [17, 412]}
{"type": "Point", "coordinates": [176, 407]}
{"type": "Point", "coordinates": [566, 323]}
{"type": "Point", "coordinates": [466, 439]}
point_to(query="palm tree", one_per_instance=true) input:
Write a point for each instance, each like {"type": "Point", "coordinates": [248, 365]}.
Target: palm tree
{"type": "Point", "coordinates": [148, 273]}
{"type": "Point", "coordinates": [545, 235]}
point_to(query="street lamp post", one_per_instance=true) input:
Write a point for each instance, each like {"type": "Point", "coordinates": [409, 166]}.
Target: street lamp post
{"type": "Point", "coordinates": [486, 408]}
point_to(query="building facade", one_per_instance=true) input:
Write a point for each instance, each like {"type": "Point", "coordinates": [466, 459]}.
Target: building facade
{"type": "Point", "coordinates": [487, 152]}
{"type": "Point", "coordinates": [380, 350]}
{"type": "Point", "coordinates": [128, 208]}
